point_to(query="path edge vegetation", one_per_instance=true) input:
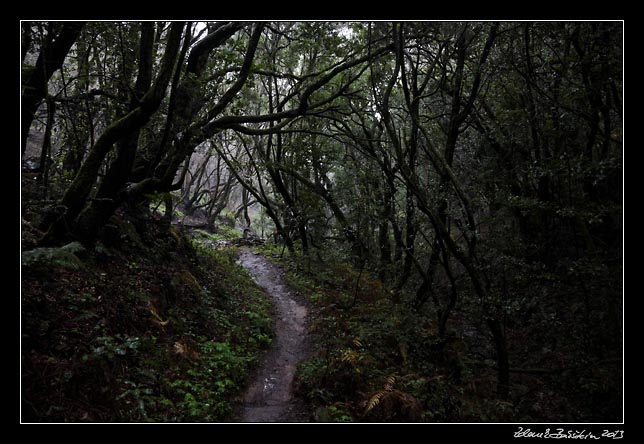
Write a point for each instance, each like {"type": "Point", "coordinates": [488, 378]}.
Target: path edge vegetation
{"type": "Point", "coordinates": [154, 326]}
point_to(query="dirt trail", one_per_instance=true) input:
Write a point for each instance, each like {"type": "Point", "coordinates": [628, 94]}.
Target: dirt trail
{"type": "Point", "coordinates": [269, 398]}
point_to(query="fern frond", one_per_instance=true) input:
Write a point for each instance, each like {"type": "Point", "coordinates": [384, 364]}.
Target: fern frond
{"type": "Point", "coordinates": [386, 390]}
{"type": "Point", "coordinates": [374, 401]}
{"type": "Point", "coordinates": [158, 320]}
{"type": "Point", "coordinates": [390, 402]}
{"type": "Point", "coordinates": [349, 356]}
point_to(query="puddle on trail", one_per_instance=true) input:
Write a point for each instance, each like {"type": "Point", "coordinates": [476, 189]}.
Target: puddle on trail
{"type": "Point", "coordinates": [269, 398]}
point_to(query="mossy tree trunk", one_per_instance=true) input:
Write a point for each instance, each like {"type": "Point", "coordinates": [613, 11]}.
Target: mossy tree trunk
{"type": "Point", "coordinates": [107, 199]}
{"type": "Point", "coordinates": [78, 192]}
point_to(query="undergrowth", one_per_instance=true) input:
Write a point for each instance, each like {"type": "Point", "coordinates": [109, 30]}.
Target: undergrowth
{"type": "Point", "coordinates": [166, 333]}
{"type": "Point", "coordinates": [376, 359]}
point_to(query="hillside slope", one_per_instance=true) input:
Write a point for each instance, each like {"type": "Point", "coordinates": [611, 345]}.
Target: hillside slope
{"type": "Point", "coordinates": [146, 326]}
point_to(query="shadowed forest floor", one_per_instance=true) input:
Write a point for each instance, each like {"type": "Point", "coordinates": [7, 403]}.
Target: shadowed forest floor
{"type": "Point", "coordinates": [148, 327]}
{"type": "Point", "coordinates": [161, 325]}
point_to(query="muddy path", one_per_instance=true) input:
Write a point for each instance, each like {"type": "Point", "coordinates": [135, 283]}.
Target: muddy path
{"type": "Point", "coordinates": [269, 397]}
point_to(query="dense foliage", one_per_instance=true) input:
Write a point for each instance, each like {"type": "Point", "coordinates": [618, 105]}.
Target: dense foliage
{"type": "Point", "coordinates": [472, 170]}
{"type": "Point", "coordinates": [168, 335]}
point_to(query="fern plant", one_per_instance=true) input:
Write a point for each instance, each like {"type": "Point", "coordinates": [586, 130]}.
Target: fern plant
{"type": "Point", "coordinates": [391, 403]}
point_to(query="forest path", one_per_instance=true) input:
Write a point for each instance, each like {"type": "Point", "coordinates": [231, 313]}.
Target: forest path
{"type": "Point", "coordinates": [269, 397]}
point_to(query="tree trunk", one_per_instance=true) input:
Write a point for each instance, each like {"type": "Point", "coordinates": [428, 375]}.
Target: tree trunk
{"type": "Point", "coordinates": [76, 195]}
{"type": "Point", "coordinates": [245, 207]}
{"type": "Point", "coordinates": [502, 359]}
{"type": "Point", "coordinates": [49, 61]}
{"type": "Point", "coordinates": [45, 154]}
{"type": "Point", "coordinates": [385, 250]}
{"type": "Point", "coordinates": [98, 211]}
{"type": "Point", "coordinates": [425, 289]}
{"type": "Point", "coordinates": [169, 209]}
{"type": "Point", "coordinates": [408, 247]}
{"type": "Point", "coordinates": [26, 40]}
{"type": "Point", "coordinates": [107, 200]}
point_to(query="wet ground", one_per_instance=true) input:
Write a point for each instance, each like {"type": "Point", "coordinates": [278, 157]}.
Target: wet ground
{"type": "Point", "coordinates": [269, 398]}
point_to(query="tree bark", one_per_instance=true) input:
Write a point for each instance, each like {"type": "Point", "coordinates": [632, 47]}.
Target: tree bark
{"type": "Point", "coordinates": [191, 99]}
{"type": "Point", "coordinates": [50, 60]}
{"type": "Point", "coordinates": [100, 210]}
{"type": "Point", "coordinates": [76, 195]}
{"type": "Point", "coordinates": [45, 153]}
